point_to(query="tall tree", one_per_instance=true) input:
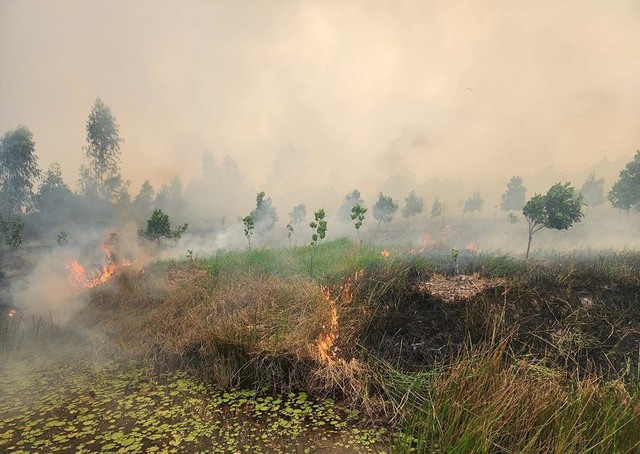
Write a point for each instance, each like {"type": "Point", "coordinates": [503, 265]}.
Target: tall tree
{"type": "Point", "coordinates": [558, 209]}
{"type": "Point", "coordinates": [625, 193]}
{"type": "Point", "coordinates": [413, 205]}
{"type": "Point", "coordinates": [18, 170]}
{"type": "Point", "coordinates": [514, 196]}
{"type": "Point", "coordinates": [593, 191]}
{"type": "Point", "coordinates": [143, 201]}
{"type": "Point", "coordinates": [101, 176]}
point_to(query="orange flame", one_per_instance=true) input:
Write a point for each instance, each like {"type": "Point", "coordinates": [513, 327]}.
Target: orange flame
{"type": "Point", "coordinates": [79, 277]}
{"type": "Point", "coordinates": [472, 247]}
{"type": "Point", "coordinates": [326, 341]}
{"type": "Point", "coordinates": [385, 253]}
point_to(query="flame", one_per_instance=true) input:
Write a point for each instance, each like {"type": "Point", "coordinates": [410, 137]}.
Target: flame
{"type": "Point", "coordinates": [326, 341]}
{"type": "Point", "coordinates": [385, 253]}
{"type": "Point", "coordinates": [80, 278]}
{"type": "Point", "coordinates": [472, 247]}
{"type": "Point", "coordinates": [12, 313]}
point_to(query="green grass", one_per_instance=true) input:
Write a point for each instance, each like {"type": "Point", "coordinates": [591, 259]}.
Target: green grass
{"type": "Point", "coordinates": [546, 359]}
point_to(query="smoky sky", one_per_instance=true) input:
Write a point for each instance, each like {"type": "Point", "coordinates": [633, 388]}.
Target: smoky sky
{"type": "Point", "coordinates": [342, 93]}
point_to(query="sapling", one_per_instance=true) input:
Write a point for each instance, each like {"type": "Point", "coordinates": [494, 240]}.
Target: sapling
{"type": "Point", "coordinates": [319, 231]}
{"type": "Point", "coordinates": [289, 232]}
{"type": "Point", "coordinates": [454, 255]}
{"type": "Point", "coordinates": [357, 217]}
{"type": "Point", "coordinates": [248, 228]}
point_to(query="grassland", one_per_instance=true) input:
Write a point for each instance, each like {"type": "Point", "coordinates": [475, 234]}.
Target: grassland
{"type": "Point", "coordinates": [509, 356]}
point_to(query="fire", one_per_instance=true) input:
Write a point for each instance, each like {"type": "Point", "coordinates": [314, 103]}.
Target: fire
{"type": "Point", "coordinates": [427, 242]}
{"type": "Point", "coordinates": [326, 341]}
{"type": "Point", "coordinates": [471, 246]}
{"type": "Point", "coordinates": [80, 278]}
{"type": "Point", "coordinates": [385, 253]}
{"type": "Point", "coordinates": [12, 313]}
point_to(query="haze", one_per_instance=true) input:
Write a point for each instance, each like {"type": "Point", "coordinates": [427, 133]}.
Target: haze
{"type": "Point", "coordinates": [326, 96]}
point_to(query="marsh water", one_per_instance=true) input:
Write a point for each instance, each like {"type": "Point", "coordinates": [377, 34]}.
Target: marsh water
{"type": "Point", "coordinates": [77, 403]}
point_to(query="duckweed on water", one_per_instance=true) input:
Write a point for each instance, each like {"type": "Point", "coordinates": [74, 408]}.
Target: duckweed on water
{"type": "Point", "coordinates": [80, 406]}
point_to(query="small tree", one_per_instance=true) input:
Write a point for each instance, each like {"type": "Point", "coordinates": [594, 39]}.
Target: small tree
{"type": "Point", "coordinates": [159, 226]}
{"type": "Point", "coordinates": [558, 209]}
{"type": "Point", "coordinates": [473, 203]}
{"type": "Point", "coordinates": [298, 214]}
{"type": "Point", "coordinates": [514, 196]}
{"type": "Point", "coordinates": [289, 232]}
{"type": "Point", "coordinates": [352, 199]}
{"type": "Point", "coordinates": [625, 193]}
{"type": "Point", "coordinates": [264, 214]}
{"type": "Point", "coordinates": [413, 205]}
{"type": "Point", "coordinates": [248, 228]}
{"type": "Point", "coordinates": [318, 232]}
{"type": "Point", "coordinates": [593, 191]}
{"type": "Point", "coordinates": [436, 208]}
{"type": "Point", "coordinates": [11, 231]}
{"type": "Point", "coordinates": [357, 217]}
{"type": "Point", "coordinates": [384, 209]}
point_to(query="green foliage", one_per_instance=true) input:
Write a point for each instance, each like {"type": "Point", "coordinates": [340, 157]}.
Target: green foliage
{"type": "Point", "coordinates": [12, 231]}
{"type": "Point", "coordinates": [143, 202]}
{"type": "Point", "coordinates": [384, 209]}
{"type": "Point", "coordinates": [18, 170]}
{"type": "Point", "coordinates": [436, 208]}
{"type": "Point", "coordinates": [62, 239]}
{"type": "Point", "coordinates": [289, 232]}
{"type": "Point", "coordinates": [264, 214]}
{"type": "Point", "coordinates": [593, 191]}
{"type": "Point", "coordinates": [413, 205]}
{"type": "Point", "coordinates": [357, 217]}
{"type": "Point", "coordinates": [101, 176]}
{"type": "Point", "coordinates": [159, 226]}
{"type": "Point", "coordinates": [54, 198]}
{"type": "Point", "coordinates": [318, 232]}
{"type": "Point", "coordinates": [473, 203]}
{"type": "Point", "coordinates": [625, 193]}
{"type": "Point", "coordinates": [352, 199]}
{"type": "Point", "coordinates": [298, 214]}
{"type": "Point", "coordinates": [514, 196]}
{"type": "Point", "coordinates": [248, 228]}
{"type": "Point", "coordinates": [512, 218]}
{"type": "Point", "coordinates": [558, 209]}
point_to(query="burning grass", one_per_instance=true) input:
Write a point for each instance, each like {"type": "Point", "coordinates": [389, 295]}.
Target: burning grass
{"type": "Point", "coordinates": [509, 356]}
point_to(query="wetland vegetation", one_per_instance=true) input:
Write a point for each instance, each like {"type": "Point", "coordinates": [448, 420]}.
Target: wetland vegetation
{"type": "Point", "coordinates": [379, 351]}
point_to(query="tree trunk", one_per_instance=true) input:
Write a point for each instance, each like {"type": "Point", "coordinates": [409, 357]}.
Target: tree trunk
{"type": "Point", "coordinates": [528, 247]}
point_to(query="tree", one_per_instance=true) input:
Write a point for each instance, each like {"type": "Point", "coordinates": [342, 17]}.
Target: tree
{"type": "Point", "coordinates": [625, 193]}
{"type": "Point", "coordinates": [298, 214]}
{"type": "Point", "coordinates": [436, 208]}
{"type": "Point", "coordinates": [318, 232]}
{"type": "Point", "coordinates": [473, 203]}
{"type": "Point", "coordinates": [144, 200]}
{"type": "Point", "coordinates": [352, 199]}
{"type": "Point", "coordinates": [593, 191]}
{"type": "Point", "coordinates": [159, 226]}
{"type": "Point", "coordinates": [413, 205]}
{"type": "Point", "coordinates": [54, 196]}
{"type": "Point", "coordinates": [384, 209]}
{"type": "Point", "coordinates": [264, 214]}
{"type": "Point", "coordinates": [11, 231]}
{"type": "Point", "coordinates": [101, 177]}
{"type": "Point", "coordinates": [357, 217]}
{"type": "Point", "coordinates": [514, 196]}
{"type": "Point", "coordinates": [18, 170]}
{"type": "Point", "coordinates": [558, 209]}
{"type": "Point", "coordinates": [248, 228]}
